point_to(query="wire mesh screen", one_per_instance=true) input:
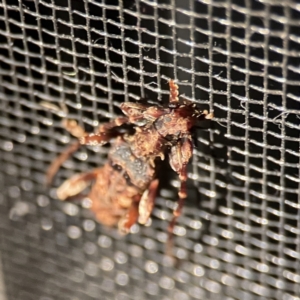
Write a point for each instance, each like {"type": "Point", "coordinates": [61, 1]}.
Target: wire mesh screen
{"type": "Point", "coordinates": [238, 236]}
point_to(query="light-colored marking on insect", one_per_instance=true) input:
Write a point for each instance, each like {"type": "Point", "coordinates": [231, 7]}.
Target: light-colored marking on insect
{"type": "Point", "coordinates": [209, 116]}
{"type": "Point", "coordinates": [143, 209]}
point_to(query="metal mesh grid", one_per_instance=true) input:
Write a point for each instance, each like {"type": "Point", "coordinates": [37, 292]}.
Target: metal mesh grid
{"type": "Point", "coordinates": [239, 234]}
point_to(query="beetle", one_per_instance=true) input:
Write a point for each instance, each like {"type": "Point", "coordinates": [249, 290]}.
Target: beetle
{"type": "Point", "coordinates": [125, 187]}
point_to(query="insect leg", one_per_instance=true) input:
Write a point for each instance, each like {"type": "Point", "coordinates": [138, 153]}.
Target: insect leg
{"type": "Point", "coordinates": [75, 185]}
{"type": "Point", "coordinates": [97, 139]}
{"type": "Point", "coordinates": [179, 157]}
{"type": "Point", "coordinates": [74, 128]}
{"type": "Point", "coordinates": [85, 138]}
{"type": "Point", "coordinates": [77, 131]}
{"type": "Point", "coordinates": [147, 202]}
{"type": "Point", "coordinates": [129, 218]}
{"type": "Point", "coordinates": [104, 133]}
{"type": "Point", "coordinates": [70, 125]}
{"type": "Point", "coordinates": [177, 212]}
{"type": "Point", "coordinates": [173, 92]}
{"type": "Point", "coordinates": [112, 124]}
{"type": "Point", "coordinates": [57, 162]}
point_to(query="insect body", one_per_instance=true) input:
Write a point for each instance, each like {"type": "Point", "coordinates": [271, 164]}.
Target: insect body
{"type": "Point", "coordinates": [124, 189]}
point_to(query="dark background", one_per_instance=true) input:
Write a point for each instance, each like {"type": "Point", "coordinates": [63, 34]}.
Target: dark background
{"type": "Point", "coordinates": [239, 234]}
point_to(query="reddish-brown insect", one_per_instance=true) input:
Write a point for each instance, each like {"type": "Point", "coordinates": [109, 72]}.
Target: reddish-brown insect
{"type": "Point", "coordinates": [124, 189]}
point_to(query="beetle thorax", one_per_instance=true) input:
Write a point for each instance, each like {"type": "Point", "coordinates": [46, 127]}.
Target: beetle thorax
{"type": "Point", "coordinates": [173, 125]}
